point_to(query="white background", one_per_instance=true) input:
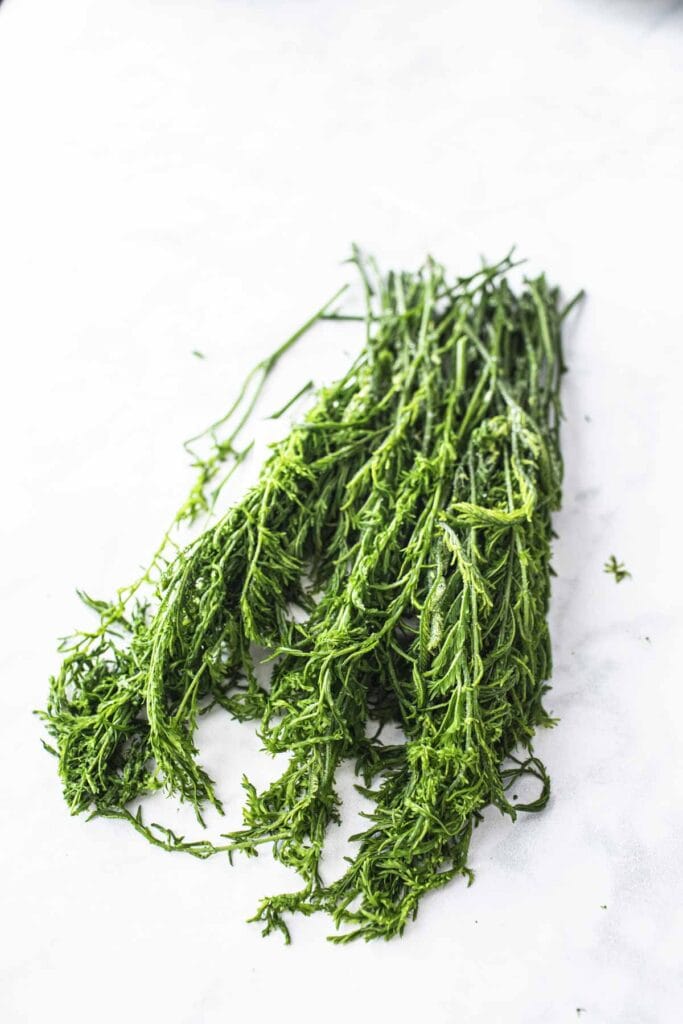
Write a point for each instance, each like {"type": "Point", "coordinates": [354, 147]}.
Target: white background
{"type": "Point", "coordinates": [187, 174]}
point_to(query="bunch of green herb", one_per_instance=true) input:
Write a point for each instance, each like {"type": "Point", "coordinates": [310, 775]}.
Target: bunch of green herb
{"type": "Point", "coordinates": [408, 514]}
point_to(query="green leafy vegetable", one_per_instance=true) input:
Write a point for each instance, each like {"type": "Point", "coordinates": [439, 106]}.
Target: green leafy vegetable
{"type": "Point", "coordinates": [616, 569]}
{"type": "Point", "coordinates": [408, 514]}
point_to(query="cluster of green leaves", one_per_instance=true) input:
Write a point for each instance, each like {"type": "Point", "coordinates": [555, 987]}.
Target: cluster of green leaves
{"type": "Point", "coordinates": [409, 515]}
{"type": "Point", "coordinates": [614, 567]}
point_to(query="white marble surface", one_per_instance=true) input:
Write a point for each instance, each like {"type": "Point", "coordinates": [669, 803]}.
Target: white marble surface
{"type": "Point", "coordinates": [188, 174]}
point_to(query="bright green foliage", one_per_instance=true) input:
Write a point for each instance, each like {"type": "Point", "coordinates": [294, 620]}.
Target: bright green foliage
{"type": "Point", "coordinates": [617, 569]}
{"type": "Point", "coordinates": [408, 514]}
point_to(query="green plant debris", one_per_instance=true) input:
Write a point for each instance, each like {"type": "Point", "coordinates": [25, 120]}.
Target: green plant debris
{"type": "Point", "coordinates": [616, 569]}
{"type": "Point", "coordinates": [197, 354]}
{"type": "Point", "coordinates": [408, 513]}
